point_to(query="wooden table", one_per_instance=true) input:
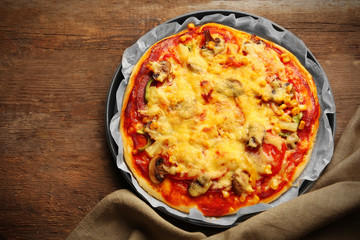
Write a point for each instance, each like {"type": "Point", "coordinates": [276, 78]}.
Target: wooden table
{"type": "Point", "coordinates": [57, 59]}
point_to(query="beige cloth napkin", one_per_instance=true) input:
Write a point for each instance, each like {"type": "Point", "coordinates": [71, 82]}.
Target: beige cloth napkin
{"type": "Point", "coordinates": [331, 210]}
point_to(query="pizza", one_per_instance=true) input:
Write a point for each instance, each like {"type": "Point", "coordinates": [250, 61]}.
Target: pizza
{"type": "Point", "coordinates": [218, 119]}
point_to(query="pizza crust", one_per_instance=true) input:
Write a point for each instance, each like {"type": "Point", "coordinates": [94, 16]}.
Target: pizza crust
{"type": "Point", "coordinates": [151, 187]}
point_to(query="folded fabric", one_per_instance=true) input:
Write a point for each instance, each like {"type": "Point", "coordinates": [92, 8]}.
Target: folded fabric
{"type": "Point", "coordinates": [331, 210]}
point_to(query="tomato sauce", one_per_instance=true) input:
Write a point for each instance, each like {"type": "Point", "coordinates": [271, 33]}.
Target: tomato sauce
{"type": "Point", "coordinates": [214, 204]}
{"type": "Point", "coordinates": [277, 156]}
{"type": "Point", "coordinates": [142, 163]}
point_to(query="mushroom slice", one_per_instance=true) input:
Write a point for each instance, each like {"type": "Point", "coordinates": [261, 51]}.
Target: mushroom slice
{"type": "Point", "coordinates": [157, 171]}
{"type": "Point", "coordinates": [194, 67]}
{"type": "Point", "coordinates": [208, 37]}
{"type": "Point", "coordinates": [292, 139]}
{"type": "Point", "coordinates": [230, 88]}
{"type": "Point", "coordinates": [279, 93]}
{"type": "Point", "coordinates": [200, 186]}
{"type": "Point", "coordinates": [217, 45]}
{"type": "Point", "coordinates": [255, 39]}
{"type": "Point", "coordinates": [161, 70]}
{"type": "Point", "coordinates": [256, 135]}
{"type": "Point", "coordinates": [240, 183]}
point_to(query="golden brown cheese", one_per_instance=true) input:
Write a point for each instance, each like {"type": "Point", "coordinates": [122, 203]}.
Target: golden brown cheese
{"type": "Point", "coordinates": [210, 136]}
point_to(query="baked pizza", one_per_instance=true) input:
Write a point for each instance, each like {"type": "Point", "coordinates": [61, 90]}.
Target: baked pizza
{"type": "Point", "coordinates": [218, 119]}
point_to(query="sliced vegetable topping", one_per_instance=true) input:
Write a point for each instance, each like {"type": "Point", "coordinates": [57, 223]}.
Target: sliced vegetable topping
{"type": "Point", "coordinates": [146, 94]}
{"type": "Point", "coordinates": [157, 171]}
{"type": "Point", "coordinates": [148, 139]}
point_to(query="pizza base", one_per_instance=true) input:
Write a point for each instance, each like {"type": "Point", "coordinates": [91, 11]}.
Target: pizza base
{"type": "Point", "coordinates": [149, 187]}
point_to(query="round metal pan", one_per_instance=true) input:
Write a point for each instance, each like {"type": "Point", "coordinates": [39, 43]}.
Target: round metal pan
{"type": "Point", "coordinates": [111, 105]}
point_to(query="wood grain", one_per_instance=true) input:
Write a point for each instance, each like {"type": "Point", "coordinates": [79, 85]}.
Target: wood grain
{"type": "Point", "coordinates": [57, 59]}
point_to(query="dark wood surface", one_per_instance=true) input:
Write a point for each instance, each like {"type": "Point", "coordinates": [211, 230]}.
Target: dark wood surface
{"type": "Point", "coordinates": [57, 59]}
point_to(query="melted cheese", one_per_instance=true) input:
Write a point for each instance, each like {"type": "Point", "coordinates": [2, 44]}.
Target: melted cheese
{"type": "Point", "coordinates": [203, 113]}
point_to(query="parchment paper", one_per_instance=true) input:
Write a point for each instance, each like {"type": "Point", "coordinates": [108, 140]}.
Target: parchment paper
{"type": "Point", "coordinates": [324, 145]}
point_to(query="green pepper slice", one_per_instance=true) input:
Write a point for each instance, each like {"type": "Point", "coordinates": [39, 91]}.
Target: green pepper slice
{"type": "Point", "coordinates": [297, 118]}
{"type": "Point", "coordinates": [149, 142]}
{"type": "Point", "coordinates": [284, 134]}
{"type": "Point", "coordinates": [141, 131]}
{"type": "Point", "coordinates": [146, 94]}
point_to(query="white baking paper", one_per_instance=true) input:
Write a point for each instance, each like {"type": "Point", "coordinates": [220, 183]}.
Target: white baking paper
{"type": "Point", "coordinates": [324, 145]}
